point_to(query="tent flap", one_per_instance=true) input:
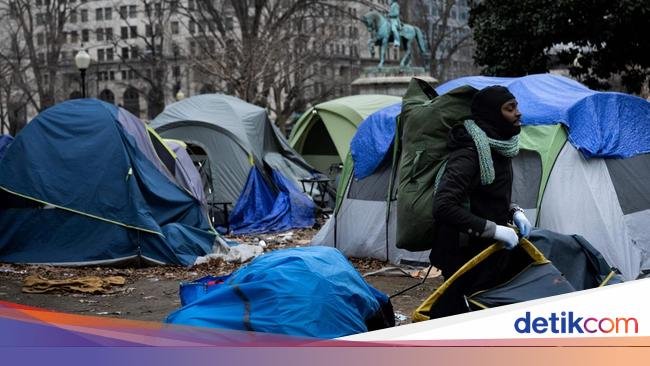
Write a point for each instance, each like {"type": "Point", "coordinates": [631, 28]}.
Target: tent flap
{"type": "Point", "coordinates": [260, 209]}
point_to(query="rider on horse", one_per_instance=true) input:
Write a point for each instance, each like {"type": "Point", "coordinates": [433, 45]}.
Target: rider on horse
{"type": "Point", "coordinates": [395, 24]}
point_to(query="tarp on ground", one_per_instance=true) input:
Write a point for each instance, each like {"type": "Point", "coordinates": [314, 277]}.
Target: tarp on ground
{"type": "Point", "coordinates": [312, 292]}
{"type": "Point", "coordinates": [600, 124]}
{"type": "Point", "coordinates": [87, 194]}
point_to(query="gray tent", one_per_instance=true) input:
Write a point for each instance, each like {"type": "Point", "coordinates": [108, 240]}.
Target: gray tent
{"type": "Point", "coordinates": [365, 217]}
{"type": "Point", "coordinates": [227, 137]}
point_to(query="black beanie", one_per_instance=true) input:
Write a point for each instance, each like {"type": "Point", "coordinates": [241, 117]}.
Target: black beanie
{"type": "Point", "coordinates": [486, 111]}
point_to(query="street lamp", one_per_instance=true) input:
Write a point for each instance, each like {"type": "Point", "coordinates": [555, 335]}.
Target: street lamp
{"type": "Point", "coordinates": [82, 60]}
{"type": "Point", "coordinates": [180, 95]}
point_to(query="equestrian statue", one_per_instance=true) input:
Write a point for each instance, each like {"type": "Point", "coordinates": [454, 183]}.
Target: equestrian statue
{"type": "Point", "coordinates": [383, 31]}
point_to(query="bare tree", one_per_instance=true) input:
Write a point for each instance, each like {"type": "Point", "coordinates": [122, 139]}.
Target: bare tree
{"type": "Point", "coordinates": [269, 52]}
{"type": "Point", "coordinates": [149, 53]}
{"type": "Point", "coordinates": [447, 34]}
{"type": "Point", "coordinates": [5, 95]}
{"type": "Point", "coordinates": [37, 32]}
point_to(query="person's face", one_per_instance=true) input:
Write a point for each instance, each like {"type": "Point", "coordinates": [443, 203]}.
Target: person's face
{"type": "Point", "coordinates": [511, 113]}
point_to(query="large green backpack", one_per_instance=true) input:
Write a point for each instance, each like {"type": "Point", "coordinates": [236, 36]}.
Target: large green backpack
{"type": "Point", "coordinates": [424, 125]}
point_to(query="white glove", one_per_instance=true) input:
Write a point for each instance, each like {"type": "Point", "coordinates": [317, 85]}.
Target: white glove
{"type": "Point", "coordinates": [522, 223]}
{"type": "Point", "coordinates": [507, 236]}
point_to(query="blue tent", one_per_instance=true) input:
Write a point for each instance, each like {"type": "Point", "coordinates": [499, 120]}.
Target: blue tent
{"type": "Point", "coordinates": [5, 141]}
{"type": "Point", "coordinates": [311, 292]}
{"type": "Point", "coordinates": [77, 190]}
{"type": "Point", "coordinates": [246, 162]}
{"type": "Point", "coordinates": [600, 124]}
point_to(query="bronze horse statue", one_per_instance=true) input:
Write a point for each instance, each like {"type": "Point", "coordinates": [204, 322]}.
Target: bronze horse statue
{"type": "Point", "coordinates": [381, 35]}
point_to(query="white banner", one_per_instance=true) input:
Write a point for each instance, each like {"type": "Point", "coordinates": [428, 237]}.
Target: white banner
{"type": "Point", "coordinates": [613, 311]}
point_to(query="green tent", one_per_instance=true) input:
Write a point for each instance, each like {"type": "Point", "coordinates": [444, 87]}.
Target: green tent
{"type": "Point", "coordinates": [364, 222]}
{"type": "Point", "coordinates": [322, 134]}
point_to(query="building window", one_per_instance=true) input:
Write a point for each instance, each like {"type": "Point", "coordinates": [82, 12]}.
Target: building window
{"type": "Point", "coordinates": [100, 55]}
{"type": "Point", "coordinates": [128, 75]}
{"type": "Point", "coordinates": [135, 52]}
{"type": "Point", "coordinates": [85, 35]}
{"type": "Point", "coordinates": [133, 11]}
{"type": "Point", "coordinates": [175, 28]}
{"type": "Point", "coordinates": [40, 39]}
{"type": "Point", "coordinates": [123, 11]}
{"type": "Point", "coordinates": [124, 32]}
{"type": "Point", "coordinates": [73, 16]}
{"type": "Point", "coordinates": [74, 37]}
{"type": "Point", "coordinates": [100, 34]}
{"type": "Point", "coordinates": [84, 15]}
{"type": "Point", "coordinates": [125, 53]}
{"type": "Point", "coordinates": [103, 14]}
{"type": "Point", "coordinates": [134, 31]}
{"type": "Point", "coordinates": [109, 54]}
{"type": "Point", "coordinates": [190, 4]}
{"type": "Point", "coordinates": [147, 30]}
{"type": "Point", "coordinates": [158, 8]}
{"type": "Point", "coordinates": [108, 34]}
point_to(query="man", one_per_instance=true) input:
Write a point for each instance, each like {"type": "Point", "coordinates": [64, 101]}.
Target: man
{"type": "Point", "coordinates": [472, 205]}
{"type": "Point", "coordinates": [395, 24]}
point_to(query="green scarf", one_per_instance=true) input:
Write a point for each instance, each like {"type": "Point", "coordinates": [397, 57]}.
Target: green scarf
{"type": "Point", "coordinates": [509, 148]}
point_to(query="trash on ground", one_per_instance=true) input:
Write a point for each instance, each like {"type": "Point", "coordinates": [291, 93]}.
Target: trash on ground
{"type": "Point", "coordinates": [37, 284]}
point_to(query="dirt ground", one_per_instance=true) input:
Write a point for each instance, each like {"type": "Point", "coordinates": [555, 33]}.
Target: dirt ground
{"type": "Point", "coordinates": [152, 293]}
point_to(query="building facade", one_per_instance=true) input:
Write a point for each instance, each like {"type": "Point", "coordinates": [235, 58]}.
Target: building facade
{"type": "Point", "coordinates": [146, 50]}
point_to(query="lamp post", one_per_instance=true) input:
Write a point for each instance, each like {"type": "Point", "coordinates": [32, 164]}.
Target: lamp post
{"type": "Point", "coordinates": [180, 95]}
{"type": "Point", "coordinates": [82, 60]}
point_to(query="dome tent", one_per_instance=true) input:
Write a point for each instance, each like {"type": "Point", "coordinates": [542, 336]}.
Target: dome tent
{"type": "Point", "coordinates": [78, 190]}
{"type": "Point", "coordinates": [602, 198]}
{"type": "Point", "coordinates": [245, 162]}
{"type": "Point", "coordinates": [322, 134]}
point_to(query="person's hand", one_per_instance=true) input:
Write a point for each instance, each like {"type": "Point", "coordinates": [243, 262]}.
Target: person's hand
{"type": "Point", "coordinates": [507, 236]}
{"type": "Point", "coordinates": [522, 223]}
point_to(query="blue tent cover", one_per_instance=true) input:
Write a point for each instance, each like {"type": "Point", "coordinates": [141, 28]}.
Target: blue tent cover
{"type": "Point", "coordinates": [310, 292]}
{"type": "Point", "coordinates": [600, 124]}
{"type": "Point", "coordinates": [101, 199]}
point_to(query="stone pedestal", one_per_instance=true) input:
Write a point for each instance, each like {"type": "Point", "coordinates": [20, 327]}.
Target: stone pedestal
{"type": "Point", "coordinates": [389, 80]}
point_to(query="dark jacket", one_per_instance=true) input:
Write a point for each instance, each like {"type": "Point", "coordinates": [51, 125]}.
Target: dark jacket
{"type": "Point", "coordinates": [459, 229]}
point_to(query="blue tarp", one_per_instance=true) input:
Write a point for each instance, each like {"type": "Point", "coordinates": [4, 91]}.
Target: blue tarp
{"type": "Point", "coordinates": [260, 209]}
{"type": "Point", "coordinates": [373, 139]}
{"type": "Point", "coordinates": [104, 199]}
{"type": "Point", "coordinates": [5, 141]}
{"type": "Point", "coordinates": [312, 292]}
{"type": "Point", "coordinates": [600, 124]}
